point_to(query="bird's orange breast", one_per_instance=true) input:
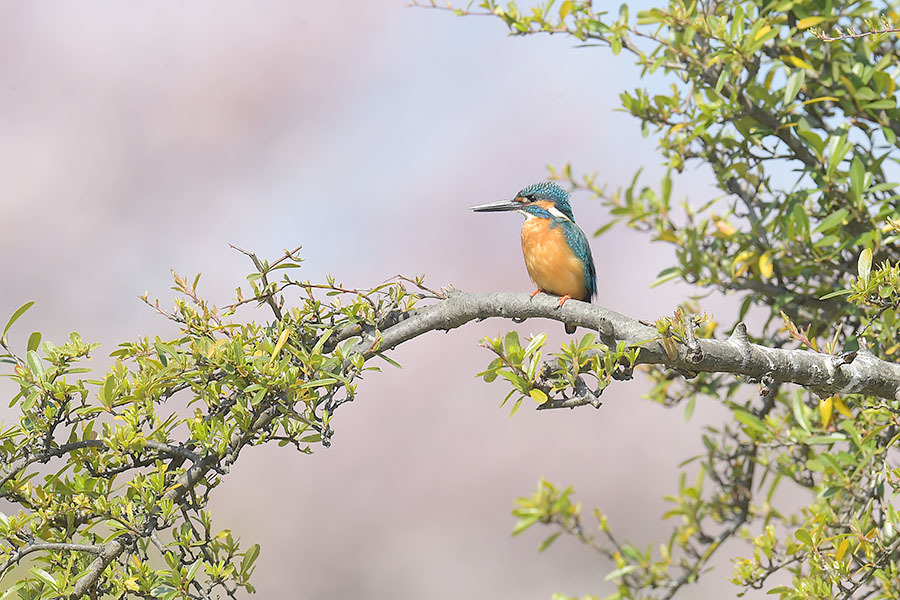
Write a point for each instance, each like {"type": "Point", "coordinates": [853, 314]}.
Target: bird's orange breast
{"type": "Point", "coordinates": [551, 264]}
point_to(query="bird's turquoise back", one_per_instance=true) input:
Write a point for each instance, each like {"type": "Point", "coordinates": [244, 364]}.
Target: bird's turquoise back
{"type": "Point", "coordinates": [578, 242]}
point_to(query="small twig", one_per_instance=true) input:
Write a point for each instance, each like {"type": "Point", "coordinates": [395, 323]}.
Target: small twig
{"type": "Point", "coordinates": [336, 288]}
{"type": "Point", "coordinates": [436, 295]}
{"type": "Point", "coordinates": [448, 7]}
{"type": "Point", "coordinates": [269, 298]}
{"type": "Point", "coordinates": [851, 35]}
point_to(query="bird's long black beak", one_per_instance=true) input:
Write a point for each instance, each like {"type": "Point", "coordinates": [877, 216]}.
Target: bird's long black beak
{"type": "Point", "coordinates": [503, 205]}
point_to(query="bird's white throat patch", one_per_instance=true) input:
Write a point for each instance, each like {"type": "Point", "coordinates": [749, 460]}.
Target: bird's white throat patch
{"type": "Point", "coordinates": [552, 210]}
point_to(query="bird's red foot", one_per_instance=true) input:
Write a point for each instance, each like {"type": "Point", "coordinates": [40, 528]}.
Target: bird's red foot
{"type": "Point", "coordinates": [562, 300]}
{"type": "Point", "coordinates": [535, 293]}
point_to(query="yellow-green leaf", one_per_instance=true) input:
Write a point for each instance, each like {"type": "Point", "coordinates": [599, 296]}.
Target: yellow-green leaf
{"type": "Point", "coordinates": [766, 266]}
{"type": "Point", "coordinates": [741, 262]}
{"type": "Point", "coordinates": [810, 22]}
{"type": "Point", "coordinates": [796, 61]}
{"type": "Point", "coordinates": [19, 312]}
{"type": "Point", "coordinates": [804, 537]}
{"type": "Point", "coordinates": [539, 395]}
{"type": "Point", "coordinates": [282, 339]}
{"type": "Point", "coordinates": [841, 407]}
{"type": "Point", "coordinates": [762, 31]}
{"type": "Point", "coordinates": [825, 409]}
{"type": "Point", "coordinates": [821, 99]}
{"type": "Point", "coordinates": [842, 549]}
{"type": "Point", "coordinates": [667, 235]}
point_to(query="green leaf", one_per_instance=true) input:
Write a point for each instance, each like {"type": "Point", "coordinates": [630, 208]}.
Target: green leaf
{"type": "Point", "coordinates": [751, 420]}
{"type": "Point", "coordinates": [30, 398]}
{"type": "Point", "coordinates": [857, 179]}
{"type": "Point", "coordinates": [797, 407]}
{"type": "Point", "coordinates": [720, 82]}
{"type": "Point", "coordinates": [44, 576]}
{"type": "Point", "coordinates": [34, 363]}
{"type": "Point", "coordinates": [837, 148]}
{"type": "Point", "coordinates": [524, 523]}
{"type": "Point", "coordinates": [666, 189]}
{"type": "Point", "coordinates": [780, 589]}
{"type": "Point", "coordinates": [606, 227]}
{"type": "Point", "coordinates": [390, 361]}
{"type": "Point", "coordinates": [620, 572]}
{"type": "Point", "coordinates": [666, 275]}
{"type": "Point", "coordinates": [689, 408]}
{"type": "Point", "coordinates": [836, 294]}
{"type": "Point", "coordinates": [535, 343]}
{"type": "Point", "coordinates": [511, 342]}
{"type": "Point", "coordinates": [826, 439]}
{"type": "Point", "coordinates": [15, 587]}
{"type": "Point", "coordinates": [546, 543]}
{"type": "Point", "coordinates": [34, 340]}
{"type": "Point", "coordinates": [793, 85]}
{"type": "Point", "coordinates": [192, 572]}
{"type": "Point", "coordinates": [249, 558]}
{"type": "Point", "coordinates": [832, 221]}
{"type": "Point", "coordinates": [801, 221]}
{"type": "Point", "coordinates": [15, 316]}
{"type": "Point", "coordinates": [108, 391]}
{"type": "Point", "coordinates": [803, 536]}
{"type": "Point", "coordinates": [864, 265]}
{"type": "Point", "coordinates": [491, 373]}
{"type": "Point", "coordinates": [884, 104]}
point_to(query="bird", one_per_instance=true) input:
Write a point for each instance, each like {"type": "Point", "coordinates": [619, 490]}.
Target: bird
{"type": "Point", "coordinates": [557, 254]}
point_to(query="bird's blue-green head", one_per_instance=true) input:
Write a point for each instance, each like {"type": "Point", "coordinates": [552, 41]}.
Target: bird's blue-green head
{"type": "Point", "coordinates": [539, 199]}
{"type": "Point", "coordinates": [547, 191]}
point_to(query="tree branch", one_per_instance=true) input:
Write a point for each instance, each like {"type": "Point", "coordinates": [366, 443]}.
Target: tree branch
{"type": "Point", "coordinates": [48, 547]}
{"type": "Point", "coordinates": [109, 551]}
{"type": "Point", "coordinates": [56, 451]}
{"type": "Point", "coordinates": [824, 374]}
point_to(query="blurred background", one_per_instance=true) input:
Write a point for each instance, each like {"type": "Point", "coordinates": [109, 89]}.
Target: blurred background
{"type": "Point", "coordinates": [139, 138]}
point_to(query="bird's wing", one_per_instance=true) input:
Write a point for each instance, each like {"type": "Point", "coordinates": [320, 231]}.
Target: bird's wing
{"type": "Point", "coordinates": [579, 243]}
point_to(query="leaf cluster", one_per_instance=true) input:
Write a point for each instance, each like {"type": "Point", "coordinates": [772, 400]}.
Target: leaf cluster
{"type": "Point", "coordinates": [112, 476]}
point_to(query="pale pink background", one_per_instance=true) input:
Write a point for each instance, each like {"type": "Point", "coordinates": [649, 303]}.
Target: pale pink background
{"type": "Point", "coordinates": [140, 137]}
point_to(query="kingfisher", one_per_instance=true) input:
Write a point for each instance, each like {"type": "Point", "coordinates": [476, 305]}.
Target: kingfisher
{"type": "Point", "coordinates": [557, 253]}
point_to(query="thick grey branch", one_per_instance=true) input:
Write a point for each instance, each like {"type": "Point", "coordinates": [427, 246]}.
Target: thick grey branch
{"type": "Point", "coordinates": [821, 373]}
{"type": "Point", "coordinates": [48, 547]}
{"type": "Point", "coordinates": [108, 553]}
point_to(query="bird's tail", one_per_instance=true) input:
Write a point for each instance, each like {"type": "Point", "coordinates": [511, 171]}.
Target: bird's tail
{"type": "Point", "coordinates": [570, 329]}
